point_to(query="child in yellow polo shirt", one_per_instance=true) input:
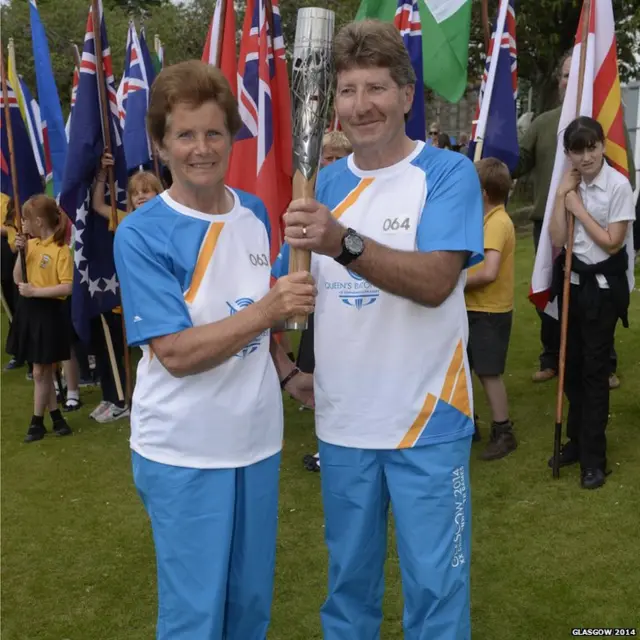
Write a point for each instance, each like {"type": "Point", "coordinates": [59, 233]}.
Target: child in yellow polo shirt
{"type": "Point", "coordinates": [489, 298]}
{"type": "Point", "coordinates": [41, 331]}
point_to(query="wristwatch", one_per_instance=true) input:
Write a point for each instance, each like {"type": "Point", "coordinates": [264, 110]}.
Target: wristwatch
{"type": "Point", "coordinates": [352, 247]}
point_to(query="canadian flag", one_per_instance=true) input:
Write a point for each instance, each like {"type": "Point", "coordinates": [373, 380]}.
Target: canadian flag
{"type": "Point", "coordinates": [220, 45]}
{"type": "Point", "coordinates": [600, 100]}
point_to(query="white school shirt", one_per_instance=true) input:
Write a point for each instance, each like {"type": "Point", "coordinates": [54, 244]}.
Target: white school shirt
{"type": "Point", "coordinates": [180, 268]}
{"type": "Point", "coordinates": [391, 373]}
{"type": "Point", "coordinates": [608, 199]}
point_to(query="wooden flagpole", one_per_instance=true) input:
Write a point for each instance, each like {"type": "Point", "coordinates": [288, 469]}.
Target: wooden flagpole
{"type": "Point", "coordinates": [12, 163]}
{"type": "Point", "coordinates": [106, 131]}
{"type": "Point", "coordinates": [566, 285]}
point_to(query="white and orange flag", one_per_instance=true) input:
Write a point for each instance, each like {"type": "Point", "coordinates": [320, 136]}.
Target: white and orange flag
{"type": "Point", "coordinates": [600, 100]}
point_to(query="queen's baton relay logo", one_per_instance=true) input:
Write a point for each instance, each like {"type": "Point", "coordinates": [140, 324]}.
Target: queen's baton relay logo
{"type": "Point", "coordinates": [355, 292]}
{"type": "Point", "coordinates": [234, 307]}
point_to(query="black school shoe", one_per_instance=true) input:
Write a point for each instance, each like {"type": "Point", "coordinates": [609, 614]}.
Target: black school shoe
{"type": "Point", "coordinates": [61, 428]}
{"type": "Point", "coordinates": [35, 432]}
{"type": "Point", "coordinates": [569, 454]}
{"type": "Point", "coordinates": [592, 478]}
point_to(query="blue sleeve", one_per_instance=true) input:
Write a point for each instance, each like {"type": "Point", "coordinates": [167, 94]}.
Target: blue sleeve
{"type": "Point", "coordinates": [281, 264]}
{"type": "Point", "coordinates": [152, 299]}
{"type": "Point", "coordinates": [453, 214]}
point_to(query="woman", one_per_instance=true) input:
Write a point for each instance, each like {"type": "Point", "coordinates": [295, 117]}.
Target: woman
{"type": "Point", "coordinates": [206, 423]}
{"type": "Point", "coordinates": [601, 200]}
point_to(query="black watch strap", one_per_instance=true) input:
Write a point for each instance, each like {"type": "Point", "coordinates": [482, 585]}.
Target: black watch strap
{"type": "Point", "coordinates": [294, 372]}
{"type": "Point", "coordinates": [346, 257]}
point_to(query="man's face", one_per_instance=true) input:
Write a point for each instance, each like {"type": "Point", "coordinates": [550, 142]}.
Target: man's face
{"type": "Point", "coordinates": [564, 78]}
{"type": "Point", "coordinates": [371, 106]}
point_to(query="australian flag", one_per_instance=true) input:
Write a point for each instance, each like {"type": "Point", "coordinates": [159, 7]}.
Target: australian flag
{"type": "Point", "coordinates": [407, 21]}
{"type": "Point", "coordinates": [262, 157]}
{"type": "Point", "coordinates": [135, 102]}
{"type": "Point", "coordinates": [495, 124]}
{"type": "Point", "coordinates": [29, 180]}
{"type": "Point", "coordinates": [95, 287]}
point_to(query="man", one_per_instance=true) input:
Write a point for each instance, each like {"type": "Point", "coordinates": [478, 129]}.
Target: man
{"type": "Point", "coordinates": [537, 156]}
{"type": "Point", "coordinates": [394, 413]}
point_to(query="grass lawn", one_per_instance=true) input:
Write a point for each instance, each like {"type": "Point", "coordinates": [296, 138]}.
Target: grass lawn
{"type": "Point", "coordinates": [77, 554]}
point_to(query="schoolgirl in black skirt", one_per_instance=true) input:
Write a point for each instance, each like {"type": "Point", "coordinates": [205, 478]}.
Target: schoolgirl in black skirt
{"type": "Point", "coordinates": [41, 329]}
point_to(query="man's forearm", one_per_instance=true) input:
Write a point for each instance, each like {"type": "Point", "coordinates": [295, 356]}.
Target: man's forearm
{"type": "Point", "coordinates": [425, 278]}
{"type": "Point", "coordinates": [281, 360]}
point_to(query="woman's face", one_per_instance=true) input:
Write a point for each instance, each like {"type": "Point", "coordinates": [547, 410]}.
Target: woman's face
{"type": "Point", "coordinates": [589, 161]}
{"type": "Point", "coordinates": [196, 145]}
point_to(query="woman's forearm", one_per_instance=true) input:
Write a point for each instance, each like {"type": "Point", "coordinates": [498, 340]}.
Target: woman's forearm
{"type": "Point", "coordinates": [558, 222]}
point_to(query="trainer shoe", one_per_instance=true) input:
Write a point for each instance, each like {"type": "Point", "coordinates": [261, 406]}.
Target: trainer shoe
{"type": "Point", "coordinates": [592, 478]}
{"type": "Point", "coordinates": [35, 432]}
{"type": "Point", "coordinates": [113, 413]}
{"type": "Point", "coordinates": [103, 406]}
{"type": "Point", "coordinates": [13, 364]}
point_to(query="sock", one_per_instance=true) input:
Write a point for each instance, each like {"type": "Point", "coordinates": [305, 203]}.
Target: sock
{"type": "Point", "coordinates": [505, 424]}
{"type": "Point", "coordinates": [73, 395]}
{"type": "Point", "coordinates": [37, 421]}
{"type": "Point", "coordinates": [55, 415]}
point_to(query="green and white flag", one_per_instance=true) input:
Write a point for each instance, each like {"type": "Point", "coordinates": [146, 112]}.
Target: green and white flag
{"type": "Point", "coordinates": [445, 40]}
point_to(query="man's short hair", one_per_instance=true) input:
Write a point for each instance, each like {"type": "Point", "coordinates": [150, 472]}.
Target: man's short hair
{"type": "Point", "coordinates": [372, 43]}
{"type": "Point", "coordinates": [337, 140]}
{"type": "Point", "coordinates": [495, 179]}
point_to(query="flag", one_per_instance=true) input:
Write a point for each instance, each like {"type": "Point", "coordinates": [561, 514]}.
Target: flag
{"type": "Point", "coordinates": [407, 21]}
{"type": "Point", "coordinates": [158, 57]}
{"type": "Point", "coordinates": [261, 161]}
{"type": "Point", "coordinates": [221, 41]}
{"type": "Point", "coordinates": [34, 128]}
{"type": "Point", "coordinates": [445, 40]}
{"type": "Point", "coordinates": [135, 102]}
{"type": "Point", "coordinates": [53, 129]}
{"type": "Point", "coordinates": [95, 287]}
{"type": "Point", "coordinates": [120, 93]}
{"type": "Point", "coordinates": [495, 123]}
{"type": "Point", "coordinates": [601, 100]}
{"type": "Point", "coordinates": [334, 125]}
{"type": "Point", "coordinates": [74, 94]}
{"type": "Point", "coordinates": [29, 180]}
{"type": "Point", "coordinates": [149, 66]}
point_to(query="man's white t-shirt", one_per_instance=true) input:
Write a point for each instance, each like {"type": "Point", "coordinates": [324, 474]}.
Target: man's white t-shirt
{"type": "Point", "coordinates": [391, 373]}
{"type": "Point", "coordinates": [180, 268]}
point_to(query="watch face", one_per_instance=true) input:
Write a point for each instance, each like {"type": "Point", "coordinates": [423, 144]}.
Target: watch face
{"type": "Point", "coordinates": [353, 243]}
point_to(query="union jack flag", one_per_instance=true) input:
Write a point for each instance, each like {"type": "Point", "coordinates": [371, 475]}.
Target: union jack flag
{"type": "Point", "coordinates": [261, 162]}
{"type": "Point", "coordinates": [407, 21]}
{"type": "Point", "coordinates": [134, 105]}
{"type": "Point", "coordinates": [95, 286]}
{"type": "Point", "coordinates": [495, 122]}
{"type": "Point", "coordinates": [74, 96]}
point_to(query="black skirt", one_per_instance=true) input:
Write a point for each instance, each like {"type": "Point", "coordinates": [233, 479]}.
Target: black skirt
{"type": "Point", "coordinates": [40, 331]}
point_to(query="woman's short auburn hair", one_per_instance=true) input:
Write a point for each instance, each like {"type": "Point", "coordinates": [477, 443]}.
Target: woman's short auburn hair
{"type": "Point", "coordinates": [192, 82]}
{"type": "Point", "coordinates": [372, 43]}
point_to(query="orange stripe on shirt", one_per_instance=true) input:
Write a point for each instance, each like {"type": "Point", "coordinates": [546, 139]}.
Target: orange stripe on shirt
{"type": "Point", "coordinates": [414, 430]}
{"type": "Point", "coordinates": [352, 198]}
{"type": "Point", "coordinates": [206, 253]}
{"type": "Point", "coordinates": [452, 373]}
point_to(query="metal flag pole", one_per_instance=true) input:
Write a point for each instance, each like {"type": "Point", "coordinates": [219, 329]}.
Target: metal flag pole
{"type": "Point", "coordinates": [566, 285]}
{"type": "Point", "coordinates": [311, 83]}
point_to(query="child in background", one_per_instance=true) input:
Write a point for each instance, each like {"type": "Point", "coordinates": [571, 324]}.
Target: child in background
{"type": "Point", "coordinates": [9, 289]}
{"type": "Point", "coordinates": [335, 145]}
{"type": "Point", "coordinates": [41, 331]}
{"type": "Point", "coordinates": [601, 201]}
{"type": "Point", "coordinates": [143, 186]}
{"type": "Point", "coordinates": [489, 299]}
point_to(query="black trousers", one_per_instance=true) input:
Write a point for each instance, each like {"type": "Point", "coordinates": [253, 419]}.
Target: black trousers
{"type": "Point", "coordinates": [306, 355]}
{"type": "Point", "coordinates": [103, 364]}
{"type": "Point", "coordinates": [589, 344]}
{"type": "Point", "coordinates": [550, 328]}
